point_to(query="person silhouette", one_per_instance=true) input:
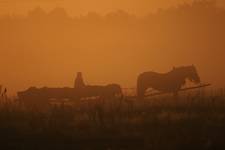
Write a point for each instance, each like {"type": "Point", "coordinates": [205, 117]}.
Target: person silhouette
{"type": "Point", "coordinates": [79, 82]}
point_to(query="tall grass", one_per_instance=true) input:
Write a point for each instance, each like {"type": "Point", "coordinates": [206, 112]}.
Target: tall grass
{"type": "Point", "coordinates": [193, 120]}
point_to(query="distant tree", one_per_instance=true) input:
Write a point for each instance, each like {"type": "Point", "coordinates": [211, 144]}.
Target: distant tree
{"type": "Point", "coordinates": [119, 15]}
{"type": "Point", "coordinates": [37, 13]}
{"type": "Point", "coordinates": [58, 13]}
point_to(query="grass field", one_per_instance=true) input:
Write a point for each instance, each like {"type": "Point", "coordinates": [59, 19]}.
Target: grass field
{"type": "Point", "coordinates": [195, 120]}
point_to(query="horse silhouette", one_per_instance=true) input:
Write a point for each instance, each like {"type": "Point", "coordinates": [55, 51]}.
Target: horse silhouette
{"type": "Point", "coordinates": [171, 81]}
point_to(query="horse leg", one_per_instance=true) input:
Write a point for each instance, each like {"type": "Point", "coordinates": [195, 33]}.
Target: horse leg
{"type": "Point", "coordinates": [141, 92]}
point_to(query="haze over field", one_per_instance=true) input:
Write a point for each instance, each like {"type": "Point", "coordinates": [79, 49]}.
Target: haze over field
{"type": "Point", "coordinates": [48, 46]}
{"type": "Point", "coordinates": [77, 7]}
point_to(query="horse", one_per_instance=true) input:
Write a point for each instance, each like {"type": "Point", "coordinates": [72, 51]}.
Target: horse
{"type": "Point", "coordinates": [171, 81]}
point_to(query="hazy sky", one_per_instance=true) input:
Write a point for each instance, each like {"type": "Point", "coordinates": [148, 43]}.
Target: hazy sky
{"type": "Point", "coordinates": [76, 7]}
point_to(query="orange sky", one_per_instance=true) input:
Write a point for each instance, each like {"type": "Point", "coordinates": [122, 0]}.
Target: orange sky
{"type": "Point", "coordinates": [76, 7]}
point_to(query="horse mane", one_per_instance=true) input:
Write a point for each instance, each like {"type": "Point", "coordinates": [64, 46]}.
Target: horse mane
{"type": "Point", "coordinates": [182, 68]}
{"type": "Point", "coordinates": [174, 69]}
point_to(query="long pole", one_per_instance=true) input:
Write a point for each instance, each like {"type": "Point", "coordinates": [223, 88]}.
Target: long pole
{"type": "Point", "coordinates": [184, 89]}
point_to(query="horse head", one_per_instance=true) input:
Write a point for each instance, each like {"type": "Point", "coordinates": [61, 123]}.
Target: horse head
{"type": "Point", "coordinates": [192, 74]}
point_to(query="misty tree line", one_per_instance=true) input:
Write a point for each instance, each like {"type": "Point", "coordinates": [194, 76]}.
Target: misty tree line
{"type": "Point", "coordinates": [177, 30]}
{"type": "Point", "coordinates": [194, 9]}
